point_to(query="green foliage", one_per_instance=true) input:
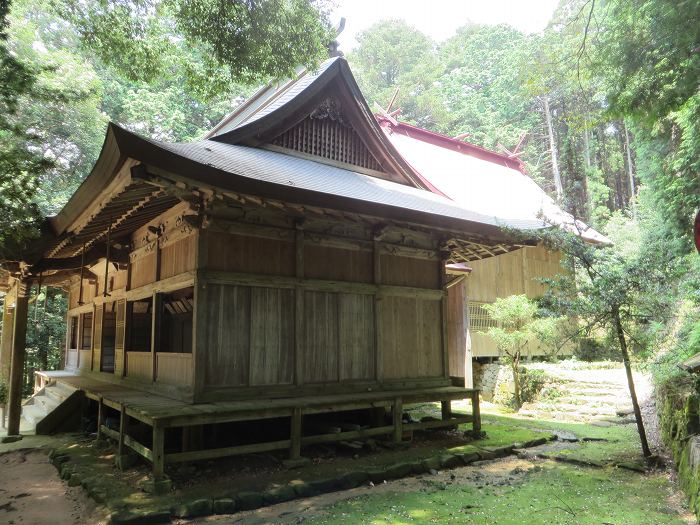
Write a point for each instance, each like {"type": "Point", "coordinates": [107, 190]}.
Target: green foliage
{"type": "Point", "coordinates": [395, 56]}
{"type": "Point", "coordinates": [532, 383]}
{"type": "Point", "coordinates": [592, 349]}
{"type": "Point", "coordinates": [230, 42]}
{"type": "Point", "coordinates": [680, 342]}
{"type": "Point", "coordinates": [515, 316]}
{"type": "Point", "coordinates": [3, 392]}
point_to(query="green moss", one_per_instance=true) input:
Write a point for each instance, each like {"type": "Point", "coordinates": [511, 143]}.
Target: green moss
{"type": "Point", "coordinates": [555, 494]}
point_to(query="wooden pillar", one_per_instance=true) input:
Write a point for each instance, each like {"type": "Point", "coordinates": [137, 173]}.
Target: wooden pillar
{"type": "Point", "coordinates": [123, 425]}
{"type": "Point", "coordinates": [199, 317]}
{"type": "Point", "coordinates": [19, 340]}
{"type": "Point", "coordinates": [398, 420]}
{"type": "Point", "coordinates": [295, 434]}
{"type": "Point", "coordinates": [446, 409]}
{"type": "Point", "coordinates": [158, 452]}
{"type": "Point", "coordinates": [458, 338]}
{"type": "Point", "coordinates": [100, 416]}
{"type": "Point", "coordinates": [6, 341]}
{"type": "Point", "coordinates": [476, 411]}
{"type": "Point", "coordinates": [444, 315]}
{"type": "Point", "coordinates": [156, 312]}
{"type": "Point", "coordinates": [377, 278]}
{"type": "Point", "coordinates": [299, 307]}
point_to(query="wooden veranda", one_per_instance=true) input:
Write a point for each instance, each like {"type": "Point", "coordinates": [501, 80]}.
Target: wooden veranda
{"type": "Point", "coordinates": [163, 413]}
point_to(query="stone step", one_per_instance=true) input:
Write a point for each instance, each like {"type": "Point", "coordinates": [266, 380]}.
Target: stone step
{"type": "Point", "coordinates": [57, 392]}
{"type": "Point", "coordinates": [47, 403]}
{"type": "Point", "coordinates": [33, 413]}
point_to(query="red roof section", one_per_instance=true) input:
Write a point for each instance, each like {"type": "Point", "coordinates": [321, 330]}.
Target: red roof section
{"type": "Point", "coordinates": [444, 141]}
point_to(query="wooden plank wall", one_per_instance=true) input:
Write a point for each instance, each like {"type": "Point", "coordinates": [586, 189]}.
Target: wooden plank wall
{"type": "Point", "coordinates": [410, 339]}
{"type": "Point", "coordinates": [239, 253]}
{"type": "Point", "coordinates": [513, 273]}
{"type": "Point", "coordinates": [278, 334]}
{"type": "Point", "coordinates": [138, 365]}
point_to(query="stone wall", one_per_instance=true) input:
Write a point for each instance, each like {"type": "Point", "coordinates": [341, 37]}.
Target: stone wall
{"type": "Point", "coordinates": [494, 380]}
{"type": "Point", "coordinates": [679, 408]}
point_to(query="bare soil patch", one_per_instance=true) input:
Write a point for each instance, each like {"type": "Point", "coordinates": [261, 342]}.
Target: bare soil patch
{"type": "Point", "coordinates": [32, 494]}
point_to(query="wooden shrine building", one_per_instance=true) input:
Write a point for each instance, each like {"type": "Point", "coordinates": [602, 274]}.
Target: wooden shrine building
{"type": "Point", "coordinates": [497, 185]}
{"type": "Point", "coordinates": [290, 264]}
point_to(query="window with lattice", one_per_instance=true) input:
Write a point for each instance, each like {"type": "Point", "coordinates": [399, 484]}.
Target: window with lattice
{"type": "Point", "coordinates": [479, 318]}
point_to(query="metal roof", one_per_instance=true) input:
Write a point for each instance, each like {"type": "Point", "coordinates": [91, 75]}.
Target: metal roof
{"type": "Point", "coordinates": [482, 181]}
{"type": "Point", "coordinates": [271, 99]}
{"type": "Point", "coordinates": [294, 172]}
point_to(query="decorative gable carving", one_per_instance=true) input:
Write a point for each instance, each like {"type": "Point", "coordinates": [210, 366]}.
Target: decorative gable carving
{"type": "Point", "coordinates": [326, 133]}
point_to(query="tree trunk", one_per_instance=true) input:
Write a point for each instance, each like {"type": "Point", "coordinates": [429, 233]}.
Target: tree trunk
{"type": "Point", "coordinates": [553, 149]}
{"type": "Point", "coordinates": [515, 364]}
{"type": "Point", "coordinates": [630, 382]}
{"type": "Point", "coordinates": [586, 146]}
{"type": "Point", "coordinates": [630, 170]}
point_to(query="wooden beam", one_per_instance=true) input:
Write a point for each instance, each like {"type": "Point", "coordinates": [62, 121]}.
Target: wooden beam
{"type": "Point", "coordinates": [476, 410]}
{"type": "Point", "coordinates": [19, 341]}
{"type": "Point", "coordinates": [100, 416]}
{"type": "Point", "coordinates": [6, 341]}
{"type": "Point", "coordinates": [158, 451]}
{"type": "Point", "coordinates": [295, 434]}
{"type": "Point", "coordinates": [397, 413]}
{"type": "Point", "coordinates": [377, 279]}
{"type": "Point", "coordinates": [123, 422]}
{"type": "Point", "coordinates": [156, 311]}
{"type": "Point", "coordinates": [198, 455]}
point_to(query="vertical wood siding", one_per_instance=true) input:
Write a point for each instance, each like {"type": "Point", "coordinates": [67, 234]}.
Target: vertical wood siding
{"type": "Point", "coordinates": [336, 264]}
{"type": "Point", "coordinates": [178, 257]}
{"type": "Point", "coordinates": [410, 271]}
{"type": "Point", "coordinates": [119, 338]}
{"type": "Point", "coordinates": [239, 253]}
{"type": "Point", "coordinates": [97, 338]}
{"type": "Point", "coordinates": [410, 339]}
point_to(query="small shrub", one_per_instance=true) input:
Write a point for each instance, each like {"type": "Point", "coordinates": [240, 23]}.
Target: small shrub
{"type": "Point", "coordinates": [590, 349]}
{"type": "Point", "coordinates": [3, 393]}
{"type": "Point", "coordinates": [532, 383]}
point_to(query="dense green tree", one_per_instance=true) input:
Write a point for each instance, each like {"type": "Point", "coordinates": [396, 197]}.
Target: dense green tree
{"type": "Point", "coordinates": [395, 58]}
{"type": "Point", "coordinates": [236, 41]}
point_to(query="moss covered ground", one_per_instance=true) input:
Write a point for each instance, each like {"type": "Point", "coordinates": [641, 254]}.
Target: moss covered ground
{"type": "Point", "coordinates": [555, 493]}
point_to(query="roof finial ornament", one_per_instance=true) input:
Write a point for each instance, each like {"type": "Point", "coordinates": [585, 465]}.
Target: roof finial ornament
{"type": "Point", "coordinates": [333, 44]}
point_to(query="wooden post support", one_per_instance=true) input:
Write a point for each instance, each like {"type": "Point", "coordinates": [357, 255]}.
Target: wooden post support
{"type": "Point", "coordinates": [476, 411]}
{"type": "Point", "coordinates": [158, 452]}
{"type": "Point", "coordinates": [156, 313]}
{"type": "Point", "coordinates": [100, 416]}
{"type": "Point", "coordinates": [6, 341]}
{"type": "Point", "coordinates": [123, 422]}
{"type": "Point", "coordinates": [398, 420]}
{"type": "Point", "coordinates": [295, 437]}
{"type": "Point", "coordinates": [19, 340]}
{"type": "Point", "coordinates": [446, 408]}
{"type": "Point", "coordinates": [299, 306]}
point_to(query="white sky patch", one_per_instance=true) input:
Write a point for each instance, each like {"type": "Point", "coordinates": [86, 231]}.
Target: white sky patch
{"type": "Point", "coordinates": [440, 19]}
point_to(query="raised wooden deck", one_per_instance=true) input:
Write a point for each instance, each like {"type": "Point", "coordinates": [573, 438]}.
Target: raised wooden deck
{"type": "Point", "coordinates": [161, 412]}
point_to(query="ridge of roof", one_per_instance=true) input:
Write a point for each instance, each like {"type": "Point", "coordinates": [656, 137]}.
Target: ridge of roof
{"type": "Point", "coordinates": [438, 139]}
{"type": "Point", "coordinates": [271, 109]}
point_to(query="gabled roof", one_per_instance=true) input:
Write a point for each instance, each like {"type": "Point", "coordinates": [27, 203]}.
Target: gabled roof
{"type": "Point", "coordinates": [274, 109]}
{"type": "Point", "coordinates": [480, 180]}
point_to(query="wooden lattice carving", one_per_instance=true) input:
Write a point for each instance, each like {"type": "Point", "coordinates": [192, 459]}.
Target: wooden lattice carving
{"type": "Point", "coordinates": [325, 133]}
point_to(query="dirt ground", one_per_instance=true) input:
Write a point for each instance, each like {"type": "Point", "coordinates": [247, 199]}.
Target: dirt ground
{"type": "Point", "coordinates": [32, 494]}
